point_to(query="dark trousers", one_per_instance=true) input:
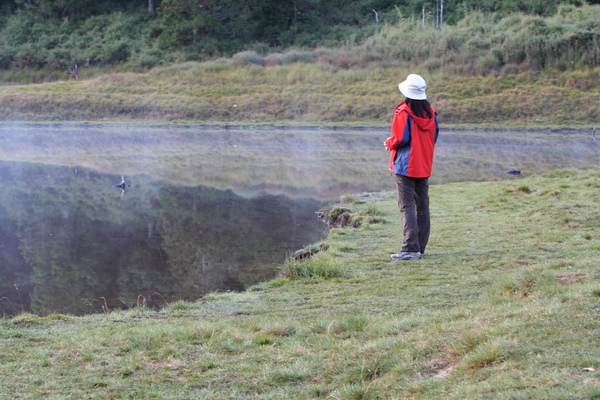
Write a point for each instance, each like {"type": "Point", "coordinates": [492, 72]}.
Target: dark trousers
{"type": "Point", "coordinates": [413, 203]}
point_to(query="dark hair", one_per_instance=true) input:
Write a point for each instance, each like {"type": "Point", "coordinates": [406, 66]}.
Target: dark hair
{"type": "Point", "coordinates": [421, 108]}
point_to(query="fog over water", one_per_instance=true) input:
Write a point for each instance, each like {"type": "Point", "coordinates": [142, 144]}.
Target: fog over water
{"type": "Point", "coordinates": [203, 208]}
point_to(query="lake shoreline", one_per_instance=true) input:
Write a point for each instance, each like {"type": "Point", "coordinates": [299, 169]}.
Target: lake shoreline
{"type": "Point", "coordinates": [491, 304]}
{"type": "Point", "coordinates": [304, 127]}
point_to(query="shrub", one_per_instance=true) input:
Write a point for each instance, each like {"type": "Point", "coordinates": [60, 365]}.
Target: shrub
{"type": "Point", "coordinates": [295, 56]}
{"type": "Point", "coordinates": [28, 56]}
{"type": "Point", "coordinates": [246, 58]}
{"type": "Point", "coordinates": [60, 59]}
{"type": "Point", "coordinates": [17, 30]}
{"type": "Point", "coordinates": [115, 53]}
{"type": "Point", "coordinates": [6, 57]}
{"type": "Point", "coordinates": [149, 58]}
{"type": "Point", "coordinates": [322, 266]}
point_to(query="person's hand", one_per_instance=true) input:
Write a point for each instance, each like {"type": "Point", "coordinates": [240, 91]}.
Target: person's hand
{"type": "Point", "coordinates": [385, 144]}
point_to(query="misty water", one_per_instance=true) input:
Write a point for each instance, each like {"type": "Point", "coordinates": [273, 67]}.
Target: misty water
{"type": "Point", "coordinates": [202, 209]}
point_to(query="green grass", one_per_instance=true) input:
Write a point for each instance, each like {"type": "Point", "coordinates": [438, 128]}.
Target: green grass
{"type": "Point", "coordinates": [504, 305]}
{"type": "Point", "coordinates": [304, 94]}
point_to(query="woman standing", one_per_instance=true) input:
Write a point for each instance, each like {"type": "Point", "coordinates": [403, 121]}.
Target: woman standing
{"type": "Point", "coordinates": [414, 133]}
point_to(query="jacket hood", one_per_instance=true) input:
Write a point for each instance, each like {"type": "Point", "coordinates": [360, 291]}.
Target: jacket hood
{"type": "Point", "coordinates": [422, 123]}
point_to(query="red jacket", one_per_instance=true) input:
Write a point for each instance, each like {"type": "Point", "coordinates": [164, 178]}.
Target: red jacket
{"type": "Point", "coordinates": [412, 143]}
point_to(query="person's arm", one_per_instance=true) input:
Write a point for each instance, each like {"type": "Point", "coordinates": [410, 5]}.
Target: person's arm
{"type": "Point", "coordinates": [400, 131]}
{"type": "Point", "coordinates": [437, 128]}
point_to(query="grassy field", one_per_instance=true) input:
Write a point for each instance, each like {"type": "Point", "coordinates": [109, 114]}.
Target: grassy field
{"type": "Point", "coordinates": [307, 93]}
{"type": "Point", "coordinates": [503, 306]}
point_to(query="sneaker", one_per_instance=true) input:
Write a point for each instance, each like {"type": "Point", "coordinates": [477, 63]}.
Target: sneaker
{"type": "Point", "coordinates": [407, 255]}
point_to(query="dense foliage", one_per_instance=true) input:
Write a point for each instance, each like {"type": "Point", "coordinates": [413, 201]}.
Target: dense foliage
{"type": "Point", "coordinates": [55, 35]}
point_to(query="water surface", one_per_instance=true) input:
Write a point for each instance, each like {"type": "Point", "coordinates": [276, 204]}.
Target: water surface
{"type": "Point", "coordinates": [203, 209]}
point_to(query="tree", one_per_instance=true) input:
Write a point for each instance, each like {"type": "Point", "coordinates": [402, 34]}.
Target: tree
{"type": "Point", "coordinates": [212, 27]}
{"type": "Point", "coordinates": [152, 8]}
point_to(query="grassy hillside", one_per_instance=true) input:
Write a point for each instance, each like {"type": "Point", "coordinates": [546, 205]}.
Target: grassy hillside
{"type": "Point", "coordinates": [487, 69]}
{"type": "Point", "coordinates": [504, 306]}
{"type": "Point", "coordinates": [304, 93]}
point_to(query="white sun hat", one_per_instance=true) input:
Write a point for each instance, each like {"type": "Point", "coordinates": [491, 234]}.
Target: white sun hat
{"type": "Point", "coordinates": [413, 87]}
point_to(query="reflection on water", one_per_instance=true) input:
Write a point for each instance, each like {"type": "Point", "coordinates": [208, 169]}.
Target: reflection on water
{"type": "Point", "coordinates": [72, 242]}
